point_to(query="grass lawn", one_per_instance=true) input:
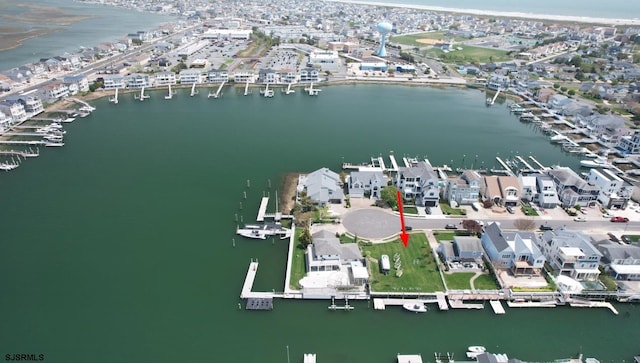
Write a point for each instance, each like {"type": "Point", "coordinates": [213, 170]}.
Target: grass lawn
{"type": "Point", "coordinates": [633, 237]}
{"type": "Point", "coordinates": [470, 54]}
{"type": "Point", "coordinates": [446, 209]}
{"type": "Point", "coordinates": [412, 39]}
{"type": "Point", "coordinates": [485, 282]}
{"type": "Point", "coordinates": [418, 265]}
{"type": "Point", "coordinates": [444, 236]}
{"type": "Point", "coordinates": [298, 269]}
{"type": "Point", "coordinates": [410, 210]}
{"type": "Point", "coordinates": [528, 210]}
{"type": "Point", "coordinates": [459, 280]}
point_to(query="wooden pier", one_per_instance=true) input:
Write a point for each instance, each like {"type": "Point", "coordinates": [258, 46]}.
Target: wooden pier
{"type": "Point", "coordinates": [497, 307]}
{"type": "Point", "coordinates": [263, 209]}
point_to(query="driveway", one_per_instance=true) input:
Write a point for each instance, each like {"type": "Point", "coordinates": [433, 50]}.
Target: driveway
{"type": "Point", "coordinates": [371, 223]}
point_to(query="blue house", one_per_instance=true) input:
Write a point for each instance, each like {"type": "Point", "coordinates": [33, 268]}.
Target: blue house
{"type": "Point", "coordinates": [515, 251]}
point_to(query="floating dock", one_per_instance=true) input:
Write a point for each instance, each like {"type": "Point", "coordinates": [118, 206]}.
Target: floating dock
{"type": "Point", "coordinates": [263, 209]}
{"type": "Point", "coordinates": [496, 305]}
{"type": "Point", "coordinates": [259, 304]}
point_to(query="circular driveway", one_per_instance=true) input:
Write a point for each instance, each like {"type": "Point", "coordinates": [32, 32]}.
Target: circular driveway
{"type": "Point", "coordinates": [371, 223]}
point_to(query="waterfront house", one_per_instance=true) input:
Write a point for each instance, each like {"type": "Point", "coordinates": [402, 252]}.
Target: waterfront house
{"type": "Point", "coordinates": [464, 189]}
{"type": "Point", "coordinates": [288, 76]}
{"type": "Point", "coordinates": [418, 182]}
{"type": "Point", "coordinates": [218, 76]}
{"type": "Point", "coordinates": [461, 249]}
{"type": "Point", "coordinates": [572, 189]}
{"type": "Point", "coordinates": [539, 189]}
{"type": "Point", "coordinates": [322, 186]}
{"type": "Point", "coordinates": [165, 79]}
{"type": "Point", "coordinates": [621, 261]}
{"type": "Point", "coordinates": [497, 82]}
{"type": "Point", "coordinates": [366, 184]}
{"type": "Point", "coordinates": [326, 253]}
{"type": "Point", "coordinates": [32, 105]}
{"type": "Point", "coordinates": [5, 121]}
{"type": "Point", "coordinates": [630, 144]}
{"type": "Point", "coordinates": [13, 109]}
{"type": "Point", "coordinates": [76, 83]}
{"type": "Point", "coordinates": [571, 254]}
{"type": "Point", "coordinates": [54, 91]}
{"type": "Point", "coordinates": [190, 76]}
{"type": "Point", "coordinates": [613, 191]}
{"type": "Point", "coordinates": [513, 251]}
{"type": "Point", "coordinates": [501, 190]}
{"type": "Point", "coordinates": [608, 128]}
{"type": "Point", "coordinates": [138, 80]}
{"type": "Point", "coordinates": [268, 76]}
{"type": "Point", "coordinates": [244, 77]}
{"type": "Point", "coordinates": [113, 81]}
{"type": "Point", "coordinates": [309, 75]}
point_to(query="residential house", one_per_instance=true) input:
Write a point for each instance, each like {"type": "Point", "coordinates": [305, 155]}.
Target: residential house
{"type": "Point", "coordinates": [464, 189]}
{"type": "Point", "coordinates": [5, 120]}
{"type": "Point", "coordinates": [420, 182]}
{"type": "Point", "coordinates": [461, 249]}
{"type": "Point", "coordinates": [572, 189]}
{"type": "Point", "coordinates": [539, 189]}
{"type": "Point", "coordinates": [218, 76]}
{"type": "Point", "coordinates": [190, 76]}
{"type": "Point", "coordinates": [165, 79]}
{"type": "Point", "coordinates": [268, 76]}
{"type": "Point", "coordinates": [114, 81]}
{"type": "Point", "coordinates": [76, 83]}
{"type": "Point", "coordinates": [608, 128]}
{"type": "Point", "coordinates": [326, 253]}
{"type": "Point", "coordinates": [571, 254]}
{"type": "Point", "coordinates": [138, 80]}
{"type": "Point", "coordinates": [54, 91]}
{"type": "Point", "coordinates": [244, 77]}
{"type": "Point", "coordinates": [32, 105]}
{"type": "Point", "coordinates": [288, 76]}
{"type": "Point", "coordinates": [322, 186]}
{"type": "Point", "coordinates": [309, 75]}
{"type": "Point", "coordinates": [630, 144]}
{"type": "Point", "coordinates": [514, 251]}
{"type": "Point", "coordinates": [621, 261]}
{"type": "Point", "coordinates": [613, 191]}
{"type": "Point", "coordinates": [13, 109]}
{"type": "Point", "coordinates": [501, 190]}
{"type": "Point", "coordinates": [366, 184]}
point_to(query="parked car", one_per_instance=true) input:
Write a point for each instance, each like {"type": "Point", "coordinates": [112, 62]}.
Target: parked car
{"type": "Point", "coordinates": [613, 237]}
{"type": "Point", "coordinates": [579, 219]}
{"type": "Point", "coordinates": [450, 226]}
{"type": "Point", "coordinates": [510, 210]}
{"type": "Point", "coordinates": [619, 219]}
{"type": "Point", "coordinates": [427, 210]}
{"type": "Point", "coordinates": [546, 227]}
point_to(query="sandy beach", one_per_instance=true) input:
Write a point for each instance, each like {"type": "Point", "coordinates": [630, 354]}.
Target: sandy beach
{"type": "Point", "coordinates": [505, 14]}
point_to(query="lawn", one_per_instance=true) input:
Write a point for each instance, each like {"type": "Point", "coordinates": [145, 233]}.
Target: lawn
{"type": "Point", "coordinates": [417, 263]}
{"type": "Point", "coordinates": [459, 280]}
{"type": "Point", "coordinates": [446, 209]}
{"type": "Point", "coordinates": [485, 282]}
{"type": "Point", "coordinates": [528, 210]}
{"type": "Point", "coordinates": [410, 210]}
{"type": "Point", "coordinates": [470, 54]}
{"type": "Point", "coordinates": [298, 269]}
{"type": "Point", "coordinates": [412, 39]}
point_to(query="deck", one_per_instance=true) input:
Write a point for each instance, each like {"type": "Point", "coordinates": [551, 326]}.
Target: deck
{"type": "Point", "coordinates": [263, 209]}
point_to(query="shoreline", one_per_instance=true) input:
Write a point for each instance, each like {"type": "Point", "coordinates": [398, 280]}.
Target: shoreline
{"type": "Point", "coordinates": [496, 13]}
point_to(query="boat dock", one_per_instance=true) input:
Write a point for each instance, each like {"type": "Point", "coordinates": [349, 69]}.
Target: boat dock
{"type": "Point", "coordinates": [497, 307]}
{"type": "Point", "coordinates": [527, 165]}
{"type": "Point", "coordinates": [531, 304]}
{"type": "Point", "coordinates": [592, 304]}
{"type": "Point", "coordinates": [263, 209]}
{"type": "Point", "coordinates": [218, 92]}
{"type": "Point", "coordinates": [459, 304]}
{"type": "Point", "coordinates": [394, 163]}
{"type": "Point", "coordinates": [193, 90]}
{"type": "Point", "coordinates": [248, 285]}
{"type": "Point", "coordinates": [535, 161]}
{"type": "Point", "coordinates": [246, 88]}
{"type": "Point", "coordinates": [114, 99]}
{"type": "Point", "coordinates": [505, 166]}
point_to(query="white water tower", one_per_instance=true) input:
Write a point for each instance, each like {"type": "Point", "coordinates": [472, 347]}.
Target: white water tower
{"type": "Point", "coordinates": [384, 28]}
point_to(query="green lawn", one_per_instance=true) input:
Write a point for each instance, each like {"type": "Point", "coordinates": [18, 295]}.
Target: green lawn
{"type": "Point", "coordinates": [485, 282]}
{"type": "Point", "coordinates": [419, 268]}
{"type": "Point", "coordinates": [412, 39]}
{"type": "Point", "coordinates": [470, 54]}
{"type": "Point", "coordinates": [410, 210]}
{"type": "Point", "coordinates": [446, 209]}
{"type": "Point", "coordinates": [298, 269]}
{"type": "Point", "coordinates": [459, 280]}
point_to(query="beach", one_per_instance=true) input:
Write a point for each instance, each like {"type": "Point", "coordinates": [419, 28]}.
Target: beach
{"type": "Point", "coordinates": [505, 14]}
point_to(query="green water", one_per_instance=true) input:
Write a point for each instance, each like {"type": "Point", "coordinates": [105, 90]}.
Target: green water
{"type": "Point", "coordinates": [118, 246]}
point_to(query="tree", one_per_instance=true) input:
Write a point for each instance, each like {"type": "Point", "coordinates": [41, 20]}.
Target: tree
{"type": "Point", "coordinates": [472, 225]}
{"type": "Point", "coordinates": [524, 224]}
{"type": "Point", "coordinates": [305, 238]}
{"type": "Point", "coordinates": [572, 92]}
{"type": "Point", "coordinates": [389, 195]}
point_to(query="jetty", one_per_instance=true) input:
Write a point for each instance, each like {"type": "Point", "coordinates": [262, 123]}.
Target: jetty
{"type": "Point", "coordinates": [169, 95]}
{"type": "Point", "coordinates": [142, 96]}
{"type": "Point", "coordinates": [267, 92]}
{"type": "Point", "coordinates": [312, 91]}
{"type": "Point", "coordinates": [289, 91]}
{"type": "Point", "coordinates": [248, 285]}
{"type": "Point", "coordinates": [114, 99]}
{"type": "Point", "coordinates": [194, 91]}
{"type": "Point", "coordinates": [497, 307]}
{"type": "Point", "coordinates": [218, 93]}
{"type": "Point", "coordinates": [506, 167]}
{"type": "Point", "coordinates": [491, 101]}
{"type": "Point", "coordinates": [246, 88]}
{"type": "Point", "coordinates": [537, 162]}
{"type": "Point", "coordinates": [394, 163]}
{"type": "Point", "coordinates": [526, 164]}
{"type": "Point", "coordinates": [263, 209]}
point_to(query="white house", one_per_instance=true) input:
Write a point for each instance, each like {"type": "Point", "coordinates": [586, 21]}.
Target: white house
{"type": "Point", "coordinates": [13, 109]}
{"type": "Point", "coordinates": [420, 182]}
{"type": "Point", "coordinates": [326, 253]}
{"type": "Point", "coordinates": [630, 144]}
{"type": "Point", "coordinates": [613, 192]}
{"type": "Point", "coordinates": [165, 78]}
{"type": "Point", "coordinates": [363, 183]}
{"type": "Point", "coordinates": [217, 76]}
{"type": "Point", "coordinates": [322, 186]}
{"type": "Point", "coordinates": [622, 261]}
{"type": "Point", "coordinates": [114, 81]}
{"type": "Point", "coordinates": [308, 75]}
{"type": "Point", "coordinates": [190, 76]}
{"type": "Point", "coordinates": [515, 251]}
{"type": "Point", "coordinates": [572, 189]}
{"type": "Point", "coordinates": [138, 80]}
{"type": "Point", "coordinates": [571, 254]}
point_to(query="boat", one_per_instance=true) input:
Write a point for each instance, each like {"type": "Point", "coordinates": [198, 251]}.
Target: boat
{"type": "Point", "coordinates": [598, 162]}
{"type": "Point", "coordinates": [475, 350]}
{"type": "Point", "coordinates": [54, 144]}
{"type": "Point", "coordinates": [415, 307]}
{"type": "Point", "coordinates": [264, 231]}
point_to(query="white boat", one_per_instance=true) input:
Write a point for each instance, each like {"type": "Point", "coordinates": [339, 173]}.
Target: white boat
{"type": "Point", "coordinates": [415, 307]}
{"type": "Point", "coordinates": [474, 351]}
{"type": "Point", "coordinates": [54, 144]}
{"type": "Point", "coordinates": [263, 231]}
{"type": "Point", "coordinates": [598, 162]}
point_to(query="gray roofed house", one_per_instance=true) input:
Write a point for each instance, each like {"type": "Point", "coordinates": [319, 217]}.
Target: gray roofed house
{"type": "Point", "coordinates": [326, 253]}
{"type": "Point", "coordinates": [461, 249]}
{"type": "Point", "coordinates": [623, 261]}
{"type": "Point", "coordinates": [366, 182]}
{"type": "Point", "coordinates": [464, 189]}
{"type": "Point", "coordinates": [419, 181]}
{"type": "Point", "coordinates": [571, 254]}
{"type": "Point", "coordinates": [572, 189]}
{"type": "Point", "coordinates": [322, 186]}
{"type": "Point", "coordinates": [516, 251]}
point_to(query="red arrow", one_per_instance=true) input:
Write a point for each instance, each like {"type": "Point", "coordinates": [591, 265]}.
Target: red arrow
{"type": "Point", "coordinates": [404, 236]}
